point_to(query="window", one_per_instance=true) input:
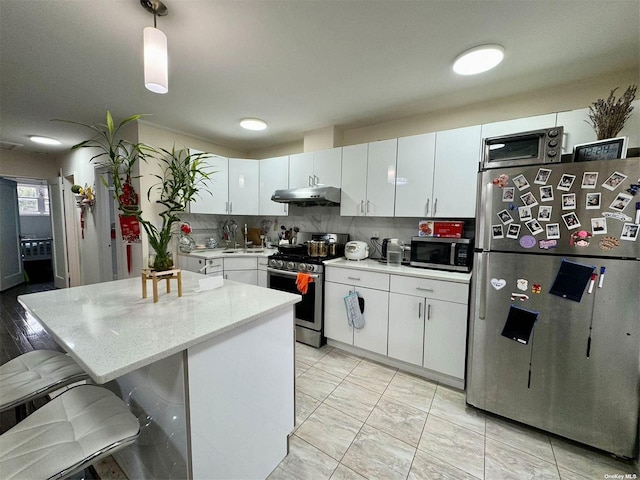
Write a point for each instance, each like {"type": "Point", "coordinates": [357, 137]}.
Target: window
{"type": "Point", "coordinates": [33, 199]}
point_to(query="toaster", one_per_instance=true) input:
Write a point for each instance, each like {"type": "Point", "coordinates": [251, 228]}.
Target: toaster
{"type": "Point", "coordinates": [356, 250]}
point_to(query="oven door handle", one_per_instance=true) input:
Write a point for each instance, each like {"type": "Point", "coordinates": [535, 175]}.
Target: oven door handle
{"type": "Point", "coordinates": [287, 273]}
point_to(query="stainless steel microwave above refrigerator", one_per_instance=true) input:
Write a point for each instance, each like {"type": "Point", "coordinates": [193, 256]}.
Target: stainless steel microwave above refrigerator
{"type": "Point", "coordinates": [554, 336]}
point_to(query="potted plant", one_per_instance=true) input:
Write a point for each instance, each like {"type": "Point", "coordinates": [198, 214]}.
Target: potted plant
{"type": "Point", "coordinates": [607, 117]}
{"type": "Point", "coordinates": [180, 178]}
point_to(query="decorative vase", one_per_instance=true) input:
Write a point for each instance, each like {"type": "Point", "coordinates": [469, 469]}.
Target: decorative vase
{"type": "Point", "coordinates": [186, 243]}
{"type": "Point", "coordinates": [160, 261]}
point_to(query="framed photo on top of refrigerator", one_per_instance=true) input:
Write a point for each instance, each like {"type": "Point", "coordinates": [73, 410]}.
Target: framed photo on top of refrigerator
{"type": "Point", "coordinates": [608, 149]}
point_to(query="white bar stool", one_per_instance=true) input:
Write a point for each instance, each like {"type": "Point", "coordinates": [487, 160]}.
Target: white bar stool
{"type": "Point", "coordinates": [69, 433]}
{"type": "Point", "coordinates": [35, 374]}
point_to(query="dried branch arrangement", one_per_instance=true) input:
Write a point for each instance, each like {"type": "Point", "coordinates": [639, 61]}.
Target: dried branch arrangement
{"type": "Point", "coordinates": [607, 117]}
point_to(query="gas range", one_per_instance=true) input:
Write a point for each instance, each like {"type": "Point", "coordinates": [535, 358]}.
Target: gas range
{"type": "Point", "coordinates": [297, 262]}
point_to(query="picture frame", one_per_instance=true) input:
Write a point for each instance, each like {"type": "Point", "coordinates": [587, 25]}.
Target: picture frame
{"type": "Point", "coordinates": [542, 177]}
{"type": "Point", "coordinates": [508, 194]}
{"type": "Point", "coordinates": [569, 201]}
{"type": "Point", "coordinates": [630, 232]}
{"type": "Point", "coordinates": [525, 213]}
{"type": "Point", "coordinates": [505, 217]}
{"type": "Point", "coordinates": [614, 181]}
{"type": "Point", "coordinates": [513, 230]}
{"type": "Point", "coordinates": [599, 226]}
{"type": "Point", "coordinates": [496, 231]}
{"type": "Point", "coordinates": [589, 180]}
{"type": "Point", "coordinates": [566, 182]}
{"type": "Point", "coordinates": [534, 227]}
{"type": "Point", "coordinates": [592, 200]}
{"type": "Point", "coordinates": [608, 149]}
{"type": "Point", "coordinates": [529, 199]}
{"type": "Point", "coordinates": [544, 213]}
{"type": "Point", "coordinates": [546, 193]}
{"type": "Point", "coordinates": [553, 231]}
{"type": "Point", "coordinates": [521, 182]}
{"type": "Point", "coordinates": [620, 202]}
{"type": "Point", "coordinates": [571, 221]}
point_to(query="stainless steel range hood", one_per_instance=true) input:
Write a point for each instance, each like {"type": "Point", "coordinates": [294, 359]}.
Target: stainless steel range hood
{"type": "Point", "coordinates": [308, 196]}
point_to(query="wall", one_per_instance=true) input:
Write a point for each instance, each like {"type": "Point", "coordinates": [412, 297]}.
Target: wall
{"type": "Point", "coordinates": [16, 163]}
{"type": "Point", "coordinates": [567, 96]}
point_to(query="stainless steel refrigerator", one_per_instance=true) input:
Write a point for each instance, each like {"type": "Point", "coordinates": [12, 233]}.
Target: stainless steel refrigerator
{"type": "Point", "coordinates": [554, 338]}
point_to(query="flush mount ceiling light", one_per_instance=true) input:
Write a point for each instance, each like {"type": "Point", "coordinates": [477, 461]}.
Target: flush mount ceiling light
{"type": "Point", "coordinates": [44, 140]}
{"type": "Point", "coordinates": [253, 124]}
{"type": "Point", "coordinates": [156, 69]}
{"type": "Point", "coordinates": [478, 59]}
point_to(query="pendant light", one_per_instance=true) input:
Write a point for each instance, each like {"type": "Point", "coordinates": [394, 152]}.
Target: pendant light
{"type": "Point", "coordinates": [156, 70]}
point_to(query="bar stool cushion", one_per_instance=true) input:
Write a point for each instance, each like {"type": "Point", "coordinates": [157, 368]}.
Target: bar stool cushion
{"type": "Point", "coordinates": [70, 432]}
{"type": "Point", "coordinates": [35, 374]}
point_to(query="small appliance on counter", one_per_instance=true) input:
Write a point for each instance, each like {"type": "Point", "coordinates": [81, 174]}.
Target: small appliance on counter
{"type": "Point", "coordinates": [454, 254]}
{"type": "Point", "coordinates": [356, 250]}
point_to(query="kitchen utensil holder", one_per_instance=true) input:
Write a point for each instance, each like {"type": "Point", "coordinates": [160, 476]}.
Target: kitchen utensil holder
{"type": "Point", "coordinates": [155, 277]}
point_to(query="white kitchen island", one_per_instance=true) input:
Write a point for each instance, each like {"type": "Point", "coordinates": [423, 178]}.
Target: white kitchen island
{"type": "Point", "coordinates": [210, 375]}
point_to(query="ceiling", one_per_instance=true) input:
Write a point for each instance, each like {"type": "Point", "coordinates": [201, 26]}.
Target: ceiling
{"type": "Point", "coordinates": [299, 65]}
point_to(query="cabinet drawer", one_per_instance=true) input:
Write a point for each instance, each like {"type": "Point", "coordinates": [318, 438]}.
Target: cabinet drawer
{"type": "Point", "coordinates": [378, 281]}
{"type": "Point", "coordinates": [250, 263]}
{"type": "Point", "coordinates": [263, 263]}
{"type": "Point", "coordinates": [429, 288]}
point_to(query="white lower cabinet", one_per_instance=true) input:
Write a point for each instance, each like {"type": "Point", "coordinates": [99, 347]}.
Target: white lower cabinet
{"type": "Point", "coordinates": [263, 262]}
{"type": "Point", "coordinates": [428, 323]}
{"type": "Point", "coordinates": [371, 337]}
{"type": "Point", "coordinates": [244, 270]}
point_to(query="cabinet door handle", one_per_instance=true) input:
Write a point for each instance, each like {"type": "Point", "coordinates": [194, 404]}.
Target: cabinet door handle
{"type": "Point", "coordinates": [226, 207]}
{"type": "Point", "coordinates": [285, 207]}
{"type": "Point", "coordinates": [368, 206]}
{"type": "Point", "coordinates": [354, 278]}
{"type": "Point", "coordinates": [230, 207]}
{"type": "Point", "coordinates": [435, 206]}
{"type": "Point", "coordinates": [429, 312]}
{"type": "Point", "coordinates": [426, 211]}
{"type": "Point", "coordinates": [422, 289]}
{"type": "Point", "coordinates": [361, 206]}
{"type": "Point", "coordinates": [420, 310]}
{"type": "Point", "coordinates": [316, 180]}
{"type": "Point", "coordinates": [310, 181]}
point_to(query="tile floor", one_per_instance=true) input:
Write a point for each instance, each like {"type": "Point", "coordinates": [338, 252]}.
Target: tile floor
{"type": "Point", "coordinates": [356, 419]}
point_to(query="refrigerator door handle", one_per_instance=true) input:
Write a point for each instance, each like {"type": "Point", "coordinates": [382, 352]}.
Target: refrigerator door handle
{"type": "Point", "coordinates": [482, 307]}
{"type": "Point", "coordinates": [483, 210]}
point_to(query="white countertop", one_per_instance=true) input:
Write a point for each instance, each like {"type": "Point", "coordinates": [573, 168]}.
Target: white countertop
{"type": "Point", "coordinates": [376, 266]}
{"type": "Point", "coordinates": [110, 330]}
{"type": "Point", "coordinates": [208, 253]}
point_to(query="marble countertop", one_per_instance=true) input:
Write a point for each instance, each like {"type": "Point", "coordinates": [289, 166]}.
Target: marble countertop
{"type": "Point", "coordinates": [208, 253]}
{"type": "Point", "coordinates": [375, 266]}
{"type": "Point", "coordinates": [110, 330]}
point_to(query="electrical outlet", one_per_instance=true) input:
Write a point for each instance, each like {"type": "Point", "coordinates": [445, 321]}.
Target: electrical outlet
{"type": "Point", "coordinates": [376, 235]}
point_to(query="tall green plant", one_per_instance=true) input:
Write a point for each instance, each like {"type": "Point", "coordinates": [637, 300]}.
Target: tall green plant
{"type": "Point", "coordinates": [182, 177]}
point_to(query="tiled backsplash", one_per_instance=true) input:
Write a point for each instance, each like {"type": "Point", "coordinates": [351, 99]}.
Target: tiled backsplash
{"type": "Point", "coordinates": [314, 219]}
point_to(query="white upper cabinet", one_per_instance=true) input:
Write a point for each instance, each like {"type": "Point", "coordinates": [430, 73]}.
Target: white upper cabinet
{"type": "Point", "coordinates": [368, 179]}
{"type": "Point", "coordinates": [301, 170]}
{"type": "Point", "coordinates": [455, 172]}
{"type": "Point", "coordinates": [381, 178]}
{"type": "Point", "coordinates": [315, 168]}
{"type": "Point", "coordinates": [354, 187]}
{"type": "Point", "coordinates": [518, 125]}
{"type": "Point", "coordinates": [274, 175]}
{"type": "Point", "coordinates": [414, 181]}
{"type": "Point", "coordinates": [243, 186]}
{"type": "Point", "coordinates": [327, 167]}
{"type": "Point", "coordinates": [216, 200]}
{"type": "Point", "coordinates": [578, 129]}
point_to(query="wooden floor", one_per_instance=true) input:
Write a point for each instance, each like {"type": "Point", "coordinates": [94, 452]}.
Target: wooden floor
{"type": "Point", "coordinates": [19, 333]}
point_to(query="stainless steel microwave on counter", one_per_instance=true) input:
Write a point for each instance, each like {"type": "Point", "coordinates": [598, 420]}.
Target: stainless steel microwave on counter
{"type": "Point", "coordinates": [455, 254]}
{"type": "Point", "coordinates": [519, 149]}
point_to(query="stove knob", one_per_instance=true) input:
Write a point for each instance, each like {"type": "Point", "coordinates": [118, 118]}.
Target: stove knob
{"type": "Point", "coordinates": [311, 267]}
{"type": "Point", "coordinates": [290, 265]}
{"type": "Point", "coordinates": [302, 267]}
{"type": "Point", "coordinates": [277, 263]}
